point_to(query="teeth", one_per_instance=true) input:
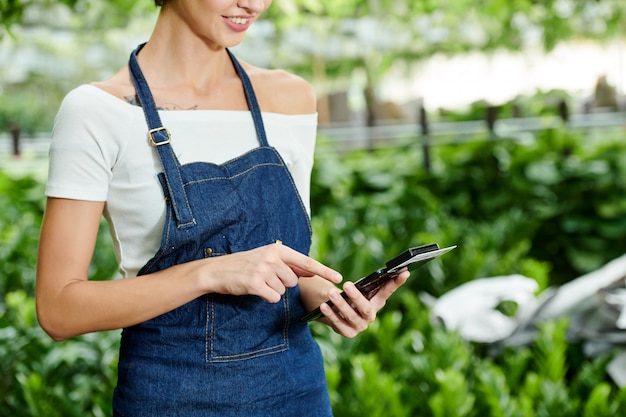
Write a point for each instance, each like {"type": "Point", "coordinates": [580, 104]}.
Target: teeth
{"type": "Point", "coordinates": [239, 20]}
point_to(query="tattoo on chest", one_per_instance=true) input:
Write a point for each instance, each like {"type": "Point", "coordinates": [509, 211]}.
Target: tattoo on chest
{"type": "Point", "coordinates": [134, 100]}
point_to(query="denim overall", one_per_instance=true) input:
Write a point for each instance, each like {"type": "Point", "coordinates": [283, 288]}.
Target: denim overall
{"type": "Point", "coordinates": [222, 355]}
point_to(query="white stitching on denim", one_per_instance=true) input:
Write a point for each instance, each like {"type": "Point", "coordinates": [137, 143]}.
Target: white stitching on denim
{"type": "Point", "coordinates": [281, 164]}
{"type": "Point", "coordinates": [234, 176]}
{"type": "Point", "coordinates": [193, 221]}
{"type": "Point", "coordinates": [164, 244]}
{"type": "Point", "coordinates": [295, 190]}
{"type": "Point", "coordinates": [210, 356]}
{"type": "Point", "coordinates": [251, 355]}
{"type": "Point", "coordinates": [206, 329]}
{"type": "Point", "coordinates": [287, 317]}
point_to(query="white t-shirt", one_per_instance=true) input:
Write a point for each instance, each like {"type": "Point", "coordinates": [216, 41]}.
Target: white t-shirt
{"type": "Point", "coordinates": [100, 152]}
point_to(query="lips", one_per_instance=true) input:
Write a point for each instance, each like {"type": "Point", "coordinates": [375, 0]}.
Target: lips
{"type": "Point", "coordinates": [237, 23]}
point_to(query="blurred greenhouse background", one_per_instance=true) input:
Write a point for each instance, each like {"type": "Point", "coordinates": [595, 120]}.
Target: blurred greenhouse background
{"type": "Point", "coordinates": [494, 125]}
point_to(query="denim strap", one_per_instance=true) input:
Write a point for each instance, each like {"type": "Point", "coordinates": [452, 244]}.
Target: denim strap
{"type": "Point", "coordinates": [253, 104]}
{"type": "Point", "coordinates": [160, 137]}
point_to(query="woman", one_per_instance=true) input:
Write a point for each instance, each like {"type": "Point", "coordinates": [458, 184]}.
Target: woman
{"type": "Point", "coordinates": [200, 165]}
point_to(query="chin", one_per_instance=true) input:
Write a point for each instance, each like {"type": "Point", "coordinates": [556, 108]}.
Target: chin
{"type": "Point", "coordinates": [231, 41]}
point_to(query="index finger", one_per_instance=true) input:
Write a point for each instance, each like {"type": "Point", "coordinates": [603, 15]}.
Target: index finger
{"type": "Point", "coordinates": [305, 266]}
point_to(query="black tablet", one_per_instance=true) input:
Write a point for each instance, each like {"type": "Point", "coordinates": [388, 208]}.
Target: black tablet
{"type": "Point", "coordinates": [411, 258]}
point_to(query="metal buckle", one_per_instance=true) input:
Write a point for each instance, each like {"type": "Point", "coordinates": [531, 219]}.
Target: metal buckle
{"type": "Point", "coordinates": [158, 129]}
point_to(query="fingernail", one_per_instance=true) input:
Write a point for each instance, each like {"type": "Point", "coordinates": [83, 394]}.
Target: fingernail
{"type": "Point", "coordinates": [349, 287]}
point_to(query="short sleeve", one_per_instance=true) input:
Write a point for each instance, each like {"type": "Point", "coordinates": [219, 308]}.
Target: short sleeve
{"type": "Point", "coordinates": [80, 166]}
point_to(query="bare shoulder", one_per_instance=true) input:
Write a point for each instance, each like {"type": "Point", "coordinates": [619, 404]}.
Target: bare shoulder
{"type": "Point", "coordinates": [119, 85]}
{"type": "Point", "coordinates": [279, 91]}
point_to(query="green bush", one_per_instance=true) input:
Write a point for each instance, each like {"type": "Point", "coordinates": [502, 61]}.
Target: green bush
{"type": "Point", "coordinates": [41, 377]}
{"type": "Point", "coordinates": [556, 206]}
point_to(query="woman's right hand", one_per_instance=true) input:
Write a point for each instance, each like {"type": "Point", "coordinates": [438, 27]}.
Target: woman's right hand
{"type": "Point", "coordinates": [266, 272]}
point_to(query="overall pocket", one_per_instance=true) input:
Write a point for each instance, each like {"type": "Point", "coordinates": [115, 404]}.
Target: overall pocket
{"type": "Point", "coordinates": [245, 327]}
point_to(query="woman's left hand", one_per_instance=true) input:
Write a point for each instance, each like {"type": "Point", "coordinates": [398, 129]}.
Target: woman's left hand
{"type": "Point", "coordinates": [351, 318]}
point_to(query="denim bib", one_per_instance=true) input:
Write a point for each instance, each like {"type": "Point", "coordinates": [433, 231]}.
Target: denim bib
{"type": "Point", "coordinates": [222, 355]}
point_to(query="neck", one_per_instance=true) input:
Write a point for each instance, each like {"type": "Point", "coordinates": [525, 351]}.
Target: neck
{"type": "Point", "coordinates": [178, 59]}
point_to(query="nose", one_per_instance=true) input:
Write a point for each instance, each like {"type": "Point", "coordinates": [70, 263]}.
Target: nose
{"type": "Point", "coordinates": [254, 6]}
